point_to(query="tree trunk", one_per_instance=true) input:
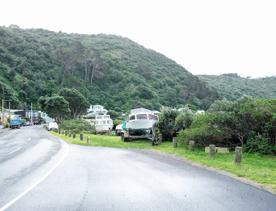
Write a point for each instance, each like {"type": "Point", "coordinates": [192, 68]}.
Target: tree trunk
{"type": "Point", "coordinates": [241, 139]}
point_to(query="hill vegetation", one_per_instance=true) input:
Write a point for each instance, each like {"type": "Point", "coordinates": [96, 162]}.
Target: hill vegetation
{"type": "Point", "coordinates": [110, 70]}
{"type": "Point", "coordinates": [231, 86]}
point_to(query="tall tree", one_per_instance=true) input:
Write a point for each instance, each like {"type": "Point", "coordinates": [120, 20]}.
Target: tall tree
{"type": "Point", "coordinates": [77, 102]}
{"type": "Point", "coordinates": [56, 107]}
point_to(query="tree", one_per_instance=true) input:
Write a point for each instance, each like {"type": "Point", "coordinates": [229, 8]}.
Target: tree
{"type": "Point", "coordinates": [166, 123]}
{"type": "Point", "coordinates": [77, 102]}
{"type": "Point", "coordinates": [184, 119]}
{"type": "Point", "coordinates": [55, 106]}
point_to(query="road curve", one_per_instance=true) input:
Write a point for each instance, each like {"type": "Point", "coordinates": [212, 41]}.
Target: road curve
{"type": "Point", "coordinates": [97, 178]}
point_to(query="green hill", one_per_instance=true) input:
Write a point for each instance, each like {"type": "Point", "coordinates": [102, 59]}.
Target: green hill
{"type": "Point", "coordinates": [111, 70]}
{"type": "Point", "coordinates": [231, 86]}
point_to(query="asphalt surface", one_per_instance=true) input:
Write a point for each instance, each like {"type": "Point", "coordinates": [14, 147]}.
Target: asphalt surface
{"type": "Point", "coordinates": [40, 172]}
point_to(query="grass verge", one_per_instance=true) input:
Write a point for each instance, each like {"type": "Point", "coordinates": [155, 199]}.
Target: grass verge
{"type": "Point", "coordinates": [257, 168]}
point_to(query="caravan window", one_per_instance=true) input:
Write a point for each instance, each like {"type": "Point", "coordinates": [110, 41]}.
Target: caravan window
{"type": "Point", "coordinates": [152, 117]}
{"type": "Point", "coordinates": [141, 116]}
{"type": "Point", "coordinates": [132, 117]}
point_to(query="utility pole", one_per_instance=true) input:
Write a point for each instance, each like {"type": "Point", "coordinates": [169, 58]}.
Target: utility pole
{"type": "Point", "coordinates": [31, 113]}
{"type": "Point", "coordinates": [3, 116]}
{"type": "Point", "coordinates": [9, 108]}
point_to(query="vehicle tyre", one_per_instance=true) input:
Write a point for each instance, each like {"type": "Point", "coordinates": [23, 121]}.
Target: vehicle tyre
{"type": "Point", "coordinates": [123, 138]}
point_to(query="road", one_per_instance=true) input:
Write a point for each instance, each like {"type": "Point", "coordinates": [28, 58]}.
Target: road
{"type": "Point", "coordinates": [40, 172]}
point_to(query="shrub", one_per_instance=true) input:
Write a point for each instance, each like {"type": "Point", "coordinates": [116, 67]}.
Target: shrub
{"type": "Point", "coordinates": [258, 144]}
{"type": "Point", "coordinates": [166, 123]}
{"type": "Point", "coordinates": [203, 132]}
{"type": "Point", "coordinates": [77, 125]}
{"type": "Point", "coordinates": [184, 119]}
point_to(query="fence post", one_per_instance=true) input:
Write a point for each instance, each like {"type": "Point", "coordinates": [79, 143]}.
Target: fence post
{"type": "Point", "coordinates": [66, 132]}
{"type": "Point", "coordinates": [70, 134]}
{"type": "Point", "coordinates": [81, 136]}
{"type": "Point", "coordinates": [88, 140]}
{"type": "Point", "coordinates": [212, 150]}
{"type": "Point", "coordinates": [74, 135]}
{"type": "Point", "coordinates": [191, 145]}
{"type": "Point", "coordinates": [174, 142]}
{"type": "Point", "coordinates": [238, 155]}
{"type": "Point", "coordinates": [160, 138]}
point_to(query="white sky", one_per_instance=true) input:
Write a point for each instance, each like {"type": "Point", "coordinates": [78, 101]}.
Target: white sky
{"type": "Point", "coordinates": [206, 37]}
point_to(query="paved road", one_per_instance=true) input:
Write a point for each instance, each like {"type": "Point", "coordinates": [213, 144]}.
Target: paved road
{"type": "Point", "coordinates": [58, 177]}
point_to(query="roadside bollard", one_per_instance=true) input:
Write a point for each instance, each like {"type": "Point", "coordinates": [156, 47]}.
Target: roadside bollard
{"type": "Point", "coordinates": [160, 138]}
{"type": "Point", "coordinates": [191, 145]}
{"type": "Point", "coordinates": [74, 135]}
{"type": "Point", "coordinates": [81, 136]}
{"type": "Point", "coordinates": [66, 132]}
{"type": "Point", "coordinates": [174, 142]}
{"type": "Point", "coordinates": [238, 155]}
{"type": "Point", "coordinates": [212, 150]}
{"type": "Point", "coordinates": [88, 140]}
{"type": "Point", "coordinates": [70, 134]}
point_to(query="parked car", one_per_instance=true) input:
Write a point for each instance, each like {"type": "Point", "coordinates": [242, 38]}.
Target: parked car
{"type": "Point", "coordinates": [15, 122]}
{"type": "Point", "coordinates": [52, 126]}
{"type": "Point", "coordinates": [27, 123]}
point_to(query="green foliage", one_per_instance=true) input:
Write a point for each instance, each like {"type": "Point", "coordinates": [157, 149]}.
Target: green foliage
{"type": "Point", "coordinates": [77, 102]}
{"type": "Point", "coordinates": [258, 144]}
{"type": "Point", "coordinates": [117, 122]}
{"type": "Point", "coordinates": [202, 131]}
{"type": "Point", "coordinates": [233, 123]}
{"type": "Point", "coordinates": [166, 123]}
{"type": "Point", "coordinates": [77, 125]}
{"type": "Point", "coordinates": [232, 86]}
{"type": "Point", "coordinates": [55, 106]}
{"type": "Point", "coordinates": [109, 70]}
{"type": "Point", "coordinates": [184, 119]}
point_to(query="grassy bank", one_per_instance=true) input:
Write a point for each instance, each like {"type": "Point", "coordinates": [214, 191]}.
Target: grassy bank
{"type": "Point", "coordinates": [261, 169]}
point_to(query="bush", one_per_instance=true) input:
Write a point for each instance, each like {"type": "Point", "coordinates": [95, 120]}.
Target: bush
{"type": "Point", "coordinates": [258, 144]}
{"type": "Point", "coordinates": [203, 132]}
{"type": "Point", "coordinates": [77, 125]}
{"type": "Point", "coordinates": [166, 124]}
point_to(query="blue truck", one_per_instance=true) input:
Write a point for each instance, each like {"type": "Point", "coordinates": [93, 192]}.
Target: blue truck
{"type": "Point", "coordinates": [16, 122]}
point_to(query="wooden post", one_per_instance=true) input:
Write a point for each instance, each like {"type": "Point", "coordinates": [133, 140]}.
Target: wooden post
{"type": "Point", "coordinates": [160, 138]}
{"type": "Point", "coordinates": [70, 134]}
{"type": "Point", "coordinates": [174, 142]}
{"type": "Point", "coordinates": [81, 136]}
{"type": "Point", "coordinates": [74, 135]}
{"type": "Point", "coordinates": [88, 140]}
{"type": "Point", "coordinates": [59, 131]}
{"type": "Point", "coordinates": [238, 155]}
{"type": "Point", "coordinates": [212, 150]}
{"type": "Point", "coordinates": [66, 132]}
{"type": "Point", "coordinates": [191, 145]}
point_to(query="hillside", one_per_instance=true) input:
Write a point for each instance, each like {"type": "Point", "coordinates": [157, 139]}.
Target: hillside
{"type": "Point", "coordinates": [232, 86]}
{"type": "Point", "coordinates": [111, 70]}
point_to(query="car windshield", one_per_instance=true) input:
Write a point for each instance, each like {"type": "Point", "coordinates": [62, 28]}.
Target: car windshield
{"type": "Point", "coordinates": [141, 116]}
{"type": "Point", "coordinates": [152, 117]}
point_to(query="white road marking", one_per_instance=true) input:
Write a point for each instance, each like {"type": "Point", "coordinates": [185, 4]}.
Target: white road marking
{"type": "Point", "coordinates": [6, 206]}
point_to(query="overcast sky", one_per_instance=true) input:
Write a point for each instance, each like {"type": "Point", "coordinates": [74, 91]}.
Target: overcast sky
{"type": "Point", "coordinates": [206, 37]}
